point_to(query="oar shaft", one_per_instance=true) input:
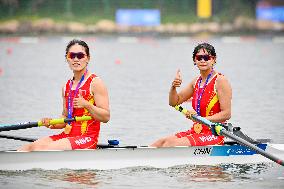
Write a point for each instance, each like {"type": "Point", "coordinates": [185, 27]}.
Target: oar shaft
{"type": "Point", "coordinates": [18, 138]}
{"type": "Point", "coordinates": [18, 126]}
{"type": "Point", "coordinates": [241, 141]}
{"type": "Point", "coordinates": [225, 133]}
{"type": "Point", "coordinates": [39, 123]}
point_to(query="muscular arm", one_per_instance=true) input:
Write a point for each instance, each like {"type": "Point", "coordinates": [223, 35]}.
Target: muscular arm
{"type": "Point", "coordinates": [176, 98]}
{"type": "Point", "coordinates": [224, 92]}
{"type": "Point", "coordinates": [101, 111]}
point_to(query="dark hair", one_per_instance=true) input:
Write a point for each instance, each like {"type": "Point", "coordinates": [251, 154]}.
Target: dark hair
{"type": "Point", "coordinates": [209, 48]}
{"type": "Point", "coordinates": [79, 42]}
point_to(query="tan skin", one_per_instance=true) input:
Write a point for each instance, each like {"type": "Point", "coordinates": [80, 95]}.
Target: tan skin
{"type": "Point", "coordinates": [99, 112]}
{"type": "Point", "coordinates": [224, 92]}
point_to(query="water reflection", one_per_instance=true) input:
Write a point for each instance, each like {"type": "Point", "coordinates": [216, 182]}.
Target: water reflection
{"type": "Point", "coordinates": [219, 173]}
{"type": "Point", "coordinates": [246, 171]}
{"type": "Point", "coordinates": [65, 178]}
{"type": "Point", "coordinates": [85, 177]}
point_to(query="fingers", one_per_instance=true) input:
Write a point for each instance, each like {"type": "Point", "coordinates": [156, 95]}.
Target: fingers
{"type": "Point", "coordinates": [190, 113]}
{"type": "Point", "coordinates": [46, 122]}
{"type": "Point", "coordinates": [79, 102]}
{"type": "Point", "coordinates": [178, 80]}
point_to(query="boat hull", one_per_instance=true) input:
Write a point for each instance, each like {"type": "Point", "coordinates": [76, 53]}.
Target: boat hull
{"type": "Point", "coordinates": [115, 158]}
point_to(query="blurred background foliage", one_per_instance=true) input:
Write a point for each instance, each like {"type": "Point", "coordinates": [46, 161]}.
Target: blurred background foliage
{"type": "Point", "coordinates": [91, 11]}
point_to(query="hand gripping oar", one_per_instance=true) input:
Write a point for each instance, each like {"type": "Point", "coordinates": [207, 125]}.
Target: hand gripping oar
{"type": "Point", "coordinates": [26, 125]}
{"type": "Point", "coordinates": [220, 130]}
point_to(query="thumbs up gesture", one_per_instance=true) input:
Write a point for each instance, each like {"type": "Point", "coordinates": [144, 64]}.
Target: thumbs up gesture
{"type": "Point", "coordinates": [177, 81]}
{"type": "Point", "coordinates": [79, 102]}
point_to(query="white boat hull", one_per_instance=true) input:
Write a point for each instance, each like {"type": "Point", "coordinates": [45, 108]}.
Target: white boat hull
{"type": "Point", "coordinates": [115, 158]}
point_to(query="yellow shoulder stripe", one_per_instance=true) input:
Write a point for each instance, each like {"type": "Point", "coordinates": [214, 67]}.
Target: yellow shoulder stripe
{"type": "Point", "coordinates": [211, 104]}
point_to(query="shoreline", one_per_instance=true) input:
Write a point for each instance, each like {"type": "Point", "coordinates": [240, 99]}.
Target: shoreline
{"type": "Point", "coordinates": [152, 40]}
{"type": "Point", "coordinates": [47, 26]}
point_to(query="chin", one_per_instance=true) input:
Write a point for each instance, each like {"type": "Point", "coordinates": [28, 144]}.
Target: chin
{"type": "Point", "coordinates": [203, 68]}
{"type": "Point", "coordinates": [77, 69]}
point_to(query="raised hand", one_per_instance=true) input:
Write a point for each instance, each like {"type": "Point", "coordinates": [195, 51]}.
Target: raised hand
{"type": "Point", "coordinates": [178, 80]}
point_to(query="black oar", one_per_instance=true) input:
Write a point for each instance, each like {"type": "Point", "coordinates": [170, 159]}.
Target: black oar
{"type": "Point", "coordinates": [26, 125]}
{"type": "Point", "coordinates": [220, 130]}
{"type": "Point", "coordinates": [18, 138]}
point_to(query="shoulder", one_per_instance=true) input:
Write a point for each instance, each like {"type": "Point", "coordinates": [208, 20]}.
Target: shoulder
{"type": "Point", "coordinates": [222, 81]}
{"type": "Point", "coordinates": [221, 78]}
{"type": "Point", "coordinates": [97, 82]}
{"type": "Point", "coordinates": [95, 79]}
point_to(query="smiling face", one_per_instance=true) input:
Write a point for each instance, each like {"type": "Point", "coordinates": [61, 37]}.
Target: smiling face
{"type": "Point", "coordinates": [204, 60]}
{"type": "Point", "coordinates": [77, 57]}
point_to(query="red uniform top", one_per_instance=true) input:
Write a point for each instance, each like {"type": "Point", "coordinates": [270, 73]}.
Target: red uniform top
{"type": "Point", "coordinates": [209, 104]}
{"type": "Point", "coordinates": [91, 127]}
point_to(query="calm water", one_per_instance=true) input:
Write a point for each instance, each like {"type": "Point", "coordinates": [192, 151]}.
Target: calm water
{"type": "Point", "coordinates": [138, 74]}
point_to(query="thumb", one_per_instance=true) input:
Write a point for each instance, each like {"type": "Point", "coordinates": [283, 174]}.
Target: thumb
{"type": "Point", "coordinates": [178, 74]}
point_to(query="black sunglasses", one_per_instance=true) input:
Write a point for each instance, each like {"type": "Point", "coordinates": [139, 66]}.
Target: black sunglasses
{"type": "Point", "coordinates": [73, 55]}
{"type": "Point", "coordinates": [204, 57]}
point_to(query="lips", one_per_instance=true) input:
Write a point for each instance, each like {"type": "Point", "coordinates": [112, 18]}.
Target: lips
{"type": "Point", "coordinates": [75, 64]}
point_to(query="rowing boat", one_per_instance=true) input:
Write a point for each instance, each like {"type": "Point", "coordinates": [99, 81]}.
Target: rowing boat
{"type": "Point", "coordinates": [116, 157]}
{"type": "Point", "coordinates": [241, 150]}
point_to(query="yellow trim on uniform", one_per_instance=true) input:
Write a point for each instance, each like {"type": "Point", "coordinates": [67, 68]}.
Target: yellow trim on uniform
{"type": "Point", "coordinates": [84, 125]}
{"type": "Point", "coordinates": [212, 102]}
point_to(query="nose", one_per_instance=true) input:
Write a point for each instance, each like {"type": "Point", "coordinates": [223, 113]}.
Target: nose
{"type": "Point", "coordinates": [76, 58]}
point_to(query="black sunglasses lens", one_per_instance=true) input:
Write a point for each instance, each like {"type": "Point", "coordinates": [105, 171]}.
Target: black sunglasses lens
{"type": "Point", "coordinates": [204, 57]}
{"type": "Point", "coordinates": [80, 55]}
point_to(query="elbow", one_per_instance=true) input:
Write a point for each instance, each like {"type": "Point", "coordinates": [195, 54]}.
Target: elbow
{"type": "Point", "coordinates": [171, 104]}
{"type": "Point", "coordinates": [228, 116]}
{"type": "Point", "coordinates": [106, 118]}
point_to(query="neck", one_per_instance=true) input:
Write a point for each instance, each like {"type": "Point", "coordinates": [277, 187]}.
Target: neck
{"type": "Point", "coordinates": [204, 73]}
{"type": "Point", "coordinates": [78, 75]}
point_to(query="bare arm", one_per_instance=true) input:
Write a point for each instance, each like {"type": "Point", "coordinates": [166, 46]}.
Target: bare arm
{"type": "Point", "coordinates": [224, 92]}
{"type": "Point", "coordinates": [176, 98]}
{"type": "Point", "coordinates": [101, 111]}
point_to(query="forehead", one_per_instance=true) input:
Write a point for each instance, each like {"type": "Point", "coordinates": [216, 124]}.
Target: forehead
{"type": "Point", "coordinates": [202, 51]}
{"type": "Point", "coordinates": [77, 48]}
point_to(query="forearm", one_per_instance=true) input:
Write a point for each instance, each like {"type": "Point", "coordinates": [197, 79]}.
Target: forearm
{"type": "Point", "coordinates": [173, 97]}
{"type": "Point", "coordinates": [58, 126]}
{"type": "Point", "coordinates": [220, 117]}
{"type": "Point", "coordinates": [97, 113]}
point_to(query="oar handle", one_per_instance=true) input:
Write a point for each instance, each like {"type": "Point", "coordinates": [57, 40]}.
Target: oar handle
{"type": "Point", "coordinates": [83, 118]}
{"type": "Point", "coordinates": [39, 123]}
{"type": "Point", "coordinates": [181, 109]}
{"type": "Point", "coordinates": [215, 127]}
{"type": "Point", "coordinates": [66, 120]}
